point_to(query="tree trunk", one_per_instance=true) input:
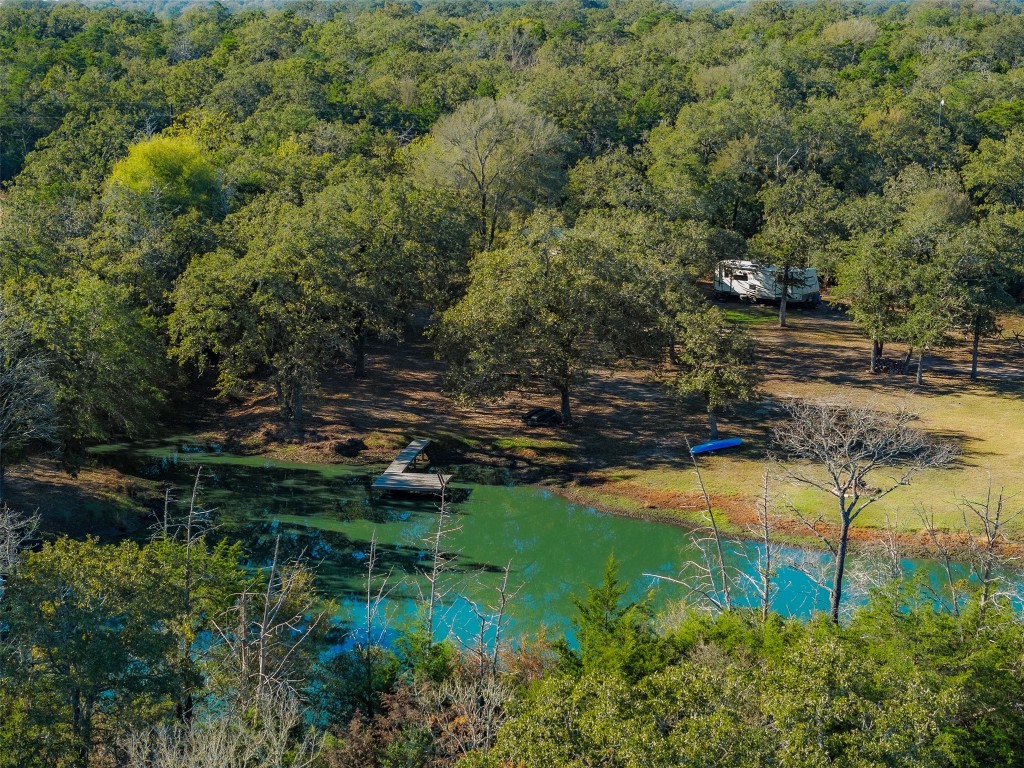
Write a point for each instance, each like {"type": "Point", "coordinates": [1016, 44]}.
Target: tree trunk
{"type": "Point", "coordinates": [876, 354]}
{"type": "Point", "coordinates": [906, 360]}
{"type": "Point", "coordinates": [782, 301]}
{"type": "Point", "coordinates": [283, 398]}
{"type": "Point", "coordinates": [297, 411]}
{"type": "Point", "coordinates": [974, 361]}
{"type": "Point", "coordinates": [184, 708]}
{"type": "Point", "coordinates": [566, 406]}
{"type": "Point", "coordinates": [485, 244]}
{"type": "Point", "coordinates": [494, 228]}
{"type": "Point", "coordinates": [837, 579]}
{"type": "Point", "coordinates": [80, 729]}
{"type": "Point", "coordinates": [359, 363]}
{"type": "Point", "coordinates": [920, 366]}
{"type": "Point", "coordinates": [713, 423]}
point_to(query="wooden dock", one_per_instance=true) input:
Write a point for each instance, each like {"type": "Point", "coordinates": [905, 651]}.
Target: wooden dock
{"type": "Point", "coordinates": [396, 478]}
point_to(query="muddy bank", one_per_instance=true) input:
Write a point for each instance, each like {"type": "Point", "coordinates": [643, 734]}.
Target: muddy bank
{"type": "Point", "coordinates": [739, 520]}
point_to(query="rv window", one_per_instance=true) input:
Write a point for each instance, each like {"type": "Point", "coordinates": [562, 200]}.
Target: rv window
{"type": "Point", "coordinates": [740, 276]}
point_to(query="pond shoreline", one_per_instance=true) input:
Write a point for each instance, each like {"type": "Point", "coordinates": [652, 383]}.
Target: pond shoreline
{"type": "Point", "coordinates": [624, 499]}
{"type": "Point", "coordinates": [912, 545]}
{"type": "Point", "coordinates": [621, 499]}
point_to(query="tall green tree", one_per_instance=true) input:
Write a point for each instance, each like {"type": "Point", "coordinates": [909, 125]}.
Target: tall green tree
{"type": "Point", "coordinates": [873, 287]}
{"type": "Point", "coordinates": [199, 582]}
{"type": "Point", "coordinates": [798, 223]}
{"type": "Point", "coordinates": [995, 173]}
{"type": "Point", "coordinates": [497, 153]}
{"type": "Point", "coordinates": [544, 308]}
{"type": "Point", "coordinates": [397, 246]}
{"type": "Point", "coordinates": [88, 623]}
{"type": "Point", "coordinates": [897, 282]}
{"type": "Point", "coordinates": [717, 362]}
{"type": "Point", "coordinates": [614, 634]}
{"type": "Point", "coordinates": [107, 357]}
{"type": "Point", "coordinates": [982, 268]}
{"type": "Point", "coordinates": [719, 153]}
{"type": "Point", "coordinates": [284, 310]}
{"type": "Point", "coordinates": [172, 171]}
{"type": "Point", "coordinates": [306, 286]}
{"type": "Point", "coordinates": [657, 263]}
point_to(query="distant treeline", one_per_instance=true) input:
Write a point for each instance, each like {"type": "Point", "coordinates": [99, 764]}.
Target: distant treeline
{"type": "Point", "coordinates": [171, 8]}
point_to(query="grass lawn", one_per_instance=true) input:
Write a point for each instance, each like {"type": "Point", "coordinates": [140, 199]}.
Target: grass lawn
{"type": "Point", "coordinates": [824, 357]}
{"type": "Point", "coordinates": [753, 315]}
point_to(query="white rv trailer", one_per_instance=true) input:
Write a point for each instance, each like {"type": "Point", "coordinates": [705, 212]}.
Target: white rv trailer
{"type": "Point", "coordinates": [749, 281]}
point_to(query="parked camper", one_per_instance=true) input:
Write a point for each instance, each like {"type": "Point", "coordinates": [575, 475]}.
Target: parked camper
{"type": "Point", "coordinates": [749, 281]}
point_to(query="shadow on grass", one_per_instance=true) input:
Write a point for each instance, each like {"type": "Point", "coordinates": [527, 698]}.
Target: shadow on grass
{"type": "Point", "coordinates": [66, 508]}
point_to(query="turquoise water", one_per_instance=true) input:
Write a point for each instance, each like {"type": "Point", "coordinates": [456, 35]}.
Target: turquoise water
{"type": "Point", "coordinates": [555, 548]}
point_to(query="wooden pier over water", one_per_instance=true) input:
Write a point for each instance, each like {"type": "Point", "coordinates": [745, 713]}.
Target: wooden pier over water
{"type": "Point", "coordinates": [396, 478]}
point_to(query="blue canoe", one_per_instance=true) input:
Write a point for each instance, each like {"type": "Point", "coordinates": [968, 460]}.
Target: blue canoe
{"type": "Point", "coordinates": [715, 445]}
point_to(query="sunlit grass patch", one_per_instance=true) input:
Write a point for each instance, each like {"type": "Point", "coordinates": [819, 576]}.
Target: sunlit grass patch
{"type": "Point", "coordinates": [385, 441]}
{"type": "Point", "coordinates": [529, 443]}
{"type": "Point", "coordinates": [752, 316]}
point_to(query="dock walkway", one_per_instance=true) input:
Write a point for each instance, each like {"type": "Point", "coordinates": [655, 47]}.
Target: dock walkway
{"type": "Point", "coordinates": [396, 478]}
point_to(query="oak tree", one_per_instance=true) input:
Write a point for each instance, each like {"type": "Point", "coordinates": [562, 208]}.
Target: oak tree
{"type": "Point", "coordinates": [716, 361]}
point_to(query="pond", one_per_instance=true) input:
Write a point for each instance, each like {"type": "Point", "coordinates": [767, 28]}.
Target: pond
{"type": "Point", "coordinates": [554, 548]}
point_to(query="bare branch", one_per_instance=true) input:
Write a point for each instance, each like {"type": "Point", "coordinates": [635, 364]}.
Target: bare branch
{"type": "Point", "coordinates": [466, 713]}
{"type": "Point", "coordinates": [265, 629]}
{"type": "Point", "coordinates": [765, 566]}
{"type": "Point", "coordinates": [15, 530]}
{"type": "Point", "coordinates": [942, 553]}
{"type": "Point", "coordinates": [710, 512]}
{"type": "Point", "coordinates": [267, 732]}
{"type": "Point", "coordinates": [987, 557]}
{"type": "Point", "coordinates": [845, 450]}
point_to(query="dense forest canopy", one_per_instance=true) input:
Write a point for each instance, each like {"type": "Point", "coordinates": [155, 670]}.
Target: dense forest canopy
{"type": "Point", "coordinates": [198, 197]}
{"type": "Point", "coordinates": [170, 8]}
{"type": "Point", "coordinates": [263, 193]}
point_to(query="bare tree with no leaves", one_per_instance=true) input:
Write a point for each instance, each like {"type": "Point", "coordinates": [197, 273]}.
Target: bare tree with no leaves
{"type": "Point", "coordinates": [943, 552]}
{"type": "Point", "coordinates": [15, 530]}
{"type": "Point", "coordinates": [710, 584]}
{"type": "Point", "coordinates": [369, 650]}
{"type": "Point", "coordinates": [27, 410]}
{"type": "Point", "coordinates": [266, 630]}
{"type": "Point", "coordinates": [268, 732]}
{"type": "Point", "coordinates": [986, 555]}
{"type": "Point", "coordinates": [492, 618]}
{"type": "Point", "coordinates": [440, 564]}
{"type": "Point", "coordinates": [879, 568]}
{"type": "Point", "coordinates": [467, 711]}
{"type": "Point", "coordinates": [858, 456]}
{"type": "Point", "coordinates": [190, 531]}
{"type": "Point", "coordinates": [766, 564]}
